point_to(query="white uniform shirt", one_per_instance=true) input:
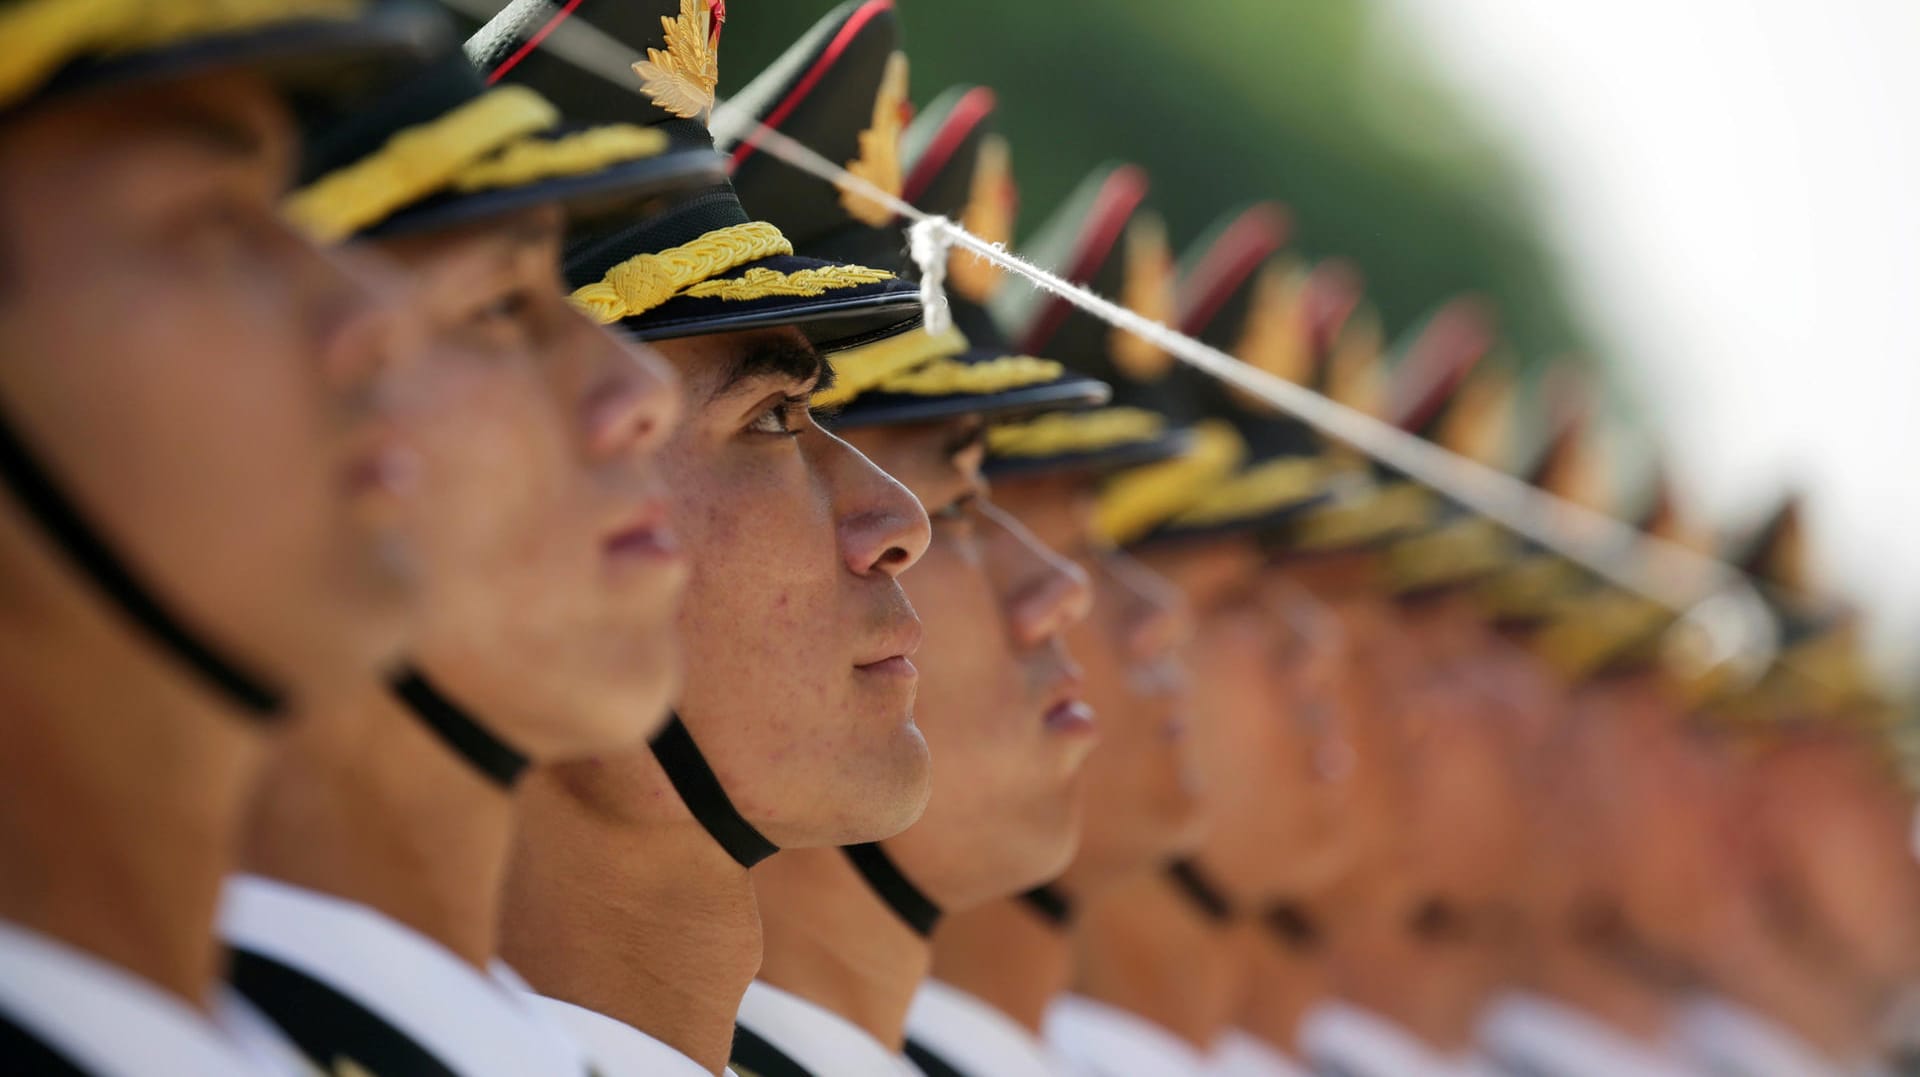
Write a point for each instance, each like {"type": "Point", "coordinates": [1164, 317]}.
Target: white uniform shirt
{"type": "Point", "coordinates": [1098, 1040]}
{"type": "Point", "coordinates": [1242, 1054]}
{"type": "Point", "coordinates": [1726, 1039]}
{"type": "Point", "coordinates": [976, 1038]}
{"type": "Point", "coordinates": [104, 1019]}
{"type": "Point", "coordinates": [820, 1041]}
{"type": "Point", "coordinates": [1527, 1033]}
{"type": "Point", "coordinates": [617, 1048]}
{"type": "Point", "coordinates": [1346, 1041]}
{"type": "Point", "coordinates": [479, 1025]}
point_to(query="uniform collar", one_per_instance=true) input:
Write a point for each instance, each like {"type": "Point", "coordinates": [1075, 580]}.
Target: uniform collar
{"type": "Point", "coordinates": [1245, 1054]}
{"type": "Point", "coordinates": [1348, 1039]}
{"type": "Point", "coordinates": [1241, 1054]}
{"type": "Point", "coordinates": [617, 1048]}
{"type": "Point", "coordinates": [104, 1019]}
{"type": "Point", "coordinates": [1730, 1039]}
{"type": "Point", "coordinates": [819, 1040]}
{"type": "Point", "coordinates": [1545, 1036]}
{"type": "Point", "coordinates": [1103, 1039]}
{"type": "Point", "coordinates": [974, 1036]}
{"type": "Point", "coordinates": [480, 1024]}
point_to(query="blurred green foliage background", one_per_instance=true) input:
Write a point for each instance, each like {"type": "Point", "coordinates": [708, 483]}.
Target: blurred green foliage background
{"type": "Point", "coordinates": [1226, 101]}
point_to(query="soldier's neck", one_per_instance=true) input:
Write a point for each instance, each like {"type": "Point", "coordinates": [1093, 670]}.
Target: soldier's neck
{"type": "Point", "coordinates": [1283, 985]}
{"type": "Point", "coordinates": [832, 941]}
{"type": "Point", "coordinates": [1573, 972]}
{"type": "Point", "coordinates": [662, 933]}
{"type": "Point", "coordinates": [1823, 1006]}
{"type": "Point", "coordinates": [1007, 955]}
{"type": "Point", "coordinates": [122, 790]}
{"type": "Point", "coordinates": [1432, 988]}
{"type": "Point", "coordinates": [1144, 948]}
{"type": "Point", "coordinates": [369, 805]}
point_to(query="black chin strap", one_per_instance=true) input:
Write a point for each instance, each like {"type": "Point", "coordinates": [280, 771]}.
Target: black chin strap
{"type": "Point", "coordinates": [700, 790]}
{"type": "Point", "coordinates": [34, 488]}
{"type": "Point", "coordinates": [459, 730]}
{"type": "Point", "coordinates": [913, 907]}
{"type": "Point", "coordinates": [1054, 907]}
{"type": "Point", "coordinates": [1198, 889]}
{"type": "Point", "coordinates": [1294, 926]}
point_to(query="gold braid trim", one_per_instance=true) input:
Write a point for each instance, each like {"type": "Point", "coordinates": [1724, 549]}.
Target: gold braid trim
{"type": "Point", "coordinates": [1259, 490]}
{"type": "Point", "coordinates": [879, 160]}
{"type": "Point", "coordinates": [535, 159]}
{"type": "Point", "coordinates": [43, 36]}
{"type": "Point", "coordinates": [1530, 589]}
{"type": "Point", "coordinates": [1137, 501]}
{"type": "Point", "coordinates": [1371, 515]}
{"type": "Point", "coordinates": [416, 162]}
{"type": "Point", "coordinates": [1589, 632]}
{"type": "Point", "coordinates": [1454, 552]}
{"type": "Point", "coordinates": [1062, 433]}
{"type": "Point", "coordinates": [943, 377]}
{"type": "Point", "coordinates": [858, 370]}
{"type": "Point", "coordinates": [759, 283]}
{"type": "Point", "coordinates": [645, 281]}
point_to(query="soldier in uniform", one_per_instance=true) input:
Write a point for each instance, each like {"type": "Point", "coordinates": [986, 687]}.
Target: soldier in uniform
{"type": "Point", "coordinates": [1411, 930]}
{"type": "Point", "coordinates": [198, 439]}
{"type": "Point", "coordinates": [1000, 697]}
{"type": "Point", "coordinates": [628, 903]}
{"type": "Point", "coordinates": [367, 930]}
{"type": "Point", "coordinates": [997, 967]}
{"type": "Point", "coordinates": [1626, 808]}
{"type": "Point", "coordinates": [1808, 980]}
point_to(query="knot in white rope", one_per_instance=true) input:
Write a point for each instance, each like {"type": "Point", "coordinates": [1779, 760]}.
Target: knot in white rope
{"type": "Point", "coordinates": [928, 241]}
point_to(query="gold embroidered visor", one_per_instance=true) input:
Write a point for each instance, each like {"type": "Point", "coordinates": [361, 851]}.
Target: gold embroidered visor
{"type": "Point", "coordinates": [43, 36]}
{"type": "Point", "coordinates": [647, 281]}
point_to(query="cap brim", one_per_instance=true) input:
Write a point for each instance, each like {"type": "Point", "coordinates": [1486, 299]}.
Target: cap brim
{"type": "Point", "coordinates": [1068, 392]}
{"type": "Point", "coordinates": [833, 320]}
{"type": "Point", "coordinates": [1257, 524]}
{"type": "Point", "coordinates": [312, 59]}
{"type": "Point", "coordinates": [623, 187]}
{"type": "Point", "coordinates": [1102, 461]}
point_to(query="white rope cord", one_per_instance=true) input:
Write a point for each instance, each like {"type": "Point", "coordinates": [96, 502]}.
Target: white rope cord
{"type": "Point", "coordinates": [1718, 605]}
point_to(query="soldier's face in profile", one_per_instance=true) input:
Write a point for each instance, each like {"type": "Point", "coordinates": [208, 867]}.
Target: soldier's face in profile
{"type": "Point", "coordinates": [1142, 784]}
{"type": "Point", "coordinates": [1841, 887]}
{"type": "Point", "coordinates": [215, 392]}
{"type": "Point", "coordinates": [800, 679]}
{"type": "Point", "coordinates": [1237, 700]}
{"type": "Point", "coordinates": [1661, 812]}
{"type": "Point", "coordinates": [1000, 697]}
{"type": "Point", "coordinates": [555, 584]}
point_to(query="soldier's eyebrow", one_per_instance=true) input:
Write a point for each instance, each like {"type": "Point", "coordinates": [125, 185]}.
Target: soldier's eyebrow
{"type": "Point", "coordinates": [789, 358]}
{"type": "Point", "coordinates": [970, 436]}
{"type": "Point", "coordinates": [219, 134]}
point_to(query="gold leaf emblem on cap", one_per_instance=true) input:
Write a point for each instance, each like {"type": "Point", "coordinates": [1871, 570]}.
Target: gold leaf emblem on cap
{"type": "Point", "coordinates": [989, 215]}
{"type": "Point", "coordinates": [1478, 423]}
{"type": "Point", "coordinates": [683, 77]}
{"type": "Point", "coordinates": [1148, 290]}
{"type": "Point", "coordinates": [1274, 337]}
{"type": "Point", "coordinates": [879, 160]}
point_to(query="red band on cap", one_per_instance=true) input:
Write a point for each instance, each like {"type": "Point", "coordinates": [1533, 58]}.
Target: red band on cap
{"type": "Point", "coordinates": [1243, 247]}
{"type": "Point", "coordinates": [855, 23]}
{"type": "Point", "coordinates": [968, 113]}
{"type": "Point", "coordinates": [533, 43]}
{"type": "Point", "coordinates": [1119, 196]}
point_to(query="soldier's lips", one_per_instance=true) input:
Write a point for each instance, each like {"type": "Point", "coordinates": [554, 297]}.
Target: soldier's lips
{"type": "Point", "coordinates": [643, 536]}
{"type": "Point", "coordinates": [893, 656]}
{"type": "Point", "coordinates": [1070, 717]}
{"type": "Point", "coordinates": [384, 467]}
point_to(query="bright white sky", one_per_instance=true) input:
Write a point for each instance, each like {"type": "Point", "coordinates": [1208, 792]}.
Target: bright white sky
{"type": "Point", "coordinates": [1734, 187]}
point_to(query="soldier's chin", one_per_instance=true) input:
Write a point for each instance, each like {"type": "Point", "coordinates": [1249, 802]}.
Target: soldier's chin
{"type": "Point", "coordinates": [884, 794]}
